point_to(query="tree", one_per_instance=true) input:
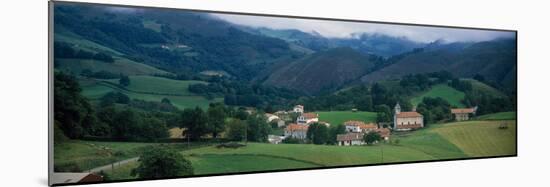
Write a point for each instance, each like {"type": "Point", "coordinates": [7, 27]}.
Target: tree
{"type": "Point", "coordinates": [216, 118]}
{"type": "Point", "coordinates": [194, 120]}
{"type": "Point", "coordinates": [124, 80]}
{"type": "Point", "coordinates": [372, 137]}
{"type": "Point", "coordinates": [236, 130]}
{"type": "Point", "coordinates": [160, 162]}
{"type": "Point", "coordinates": [124, 124]}
{"type": "Point", "coordinates": [71, 108]}
{"type": "Point", "coordinates": [334, 131]}
{"type": "Point", "coordinates": [317, 133]}
{"type": "Point", "coordinates": [383, 113]}
{"type": "Point", "coordinates": [258, 129]}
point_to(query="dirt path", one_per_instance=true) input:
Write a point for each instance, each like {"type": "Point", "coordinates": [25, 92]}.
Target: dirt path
{"type": "Point", "coordinates": [115, 165]}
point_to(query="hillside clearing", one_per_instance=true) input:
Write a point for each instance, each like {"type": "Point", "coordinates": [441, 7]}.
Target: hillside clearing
{"type": "Point", "coordinates": [120, 66]}
{"type": "Point", "coordinates": [445, 92]}
{"type": "Point", "coordinates": [159, 85]}
{"type": "Point", "coordinates": [94, 90]}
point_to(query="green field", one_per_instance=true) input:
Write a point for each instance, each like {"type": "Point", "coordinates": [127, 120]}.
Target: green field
{"type": "Point", "coordinates": [451, 95]}
{"type": "Point", "coordinates": [90, 154]}
{"type": "Point", "coordinates": [339, 117]}
{"type": "Point", "coordinates": [160, 85]}
{"type": "Point", "coordinates": [439, 141]}
{"type": "Point", "coordinates": [498, 116]}
{"type": "Point", "coordinates": [121, 65]}
{"type": "Point", "coordinates": [214, 163]}
{"type": "Point", "coordinates": [481, 138]}
{"type": "Point", "coordinates": [94, 90]}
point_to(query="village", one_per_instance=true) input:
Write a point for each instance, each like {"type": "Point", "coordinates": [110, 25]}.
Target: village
{"type": "Point", "coordinates": [355, 130]}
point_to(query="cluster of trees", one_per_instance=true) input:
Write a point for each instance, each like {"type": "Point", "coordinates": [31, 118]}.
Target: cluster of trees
{"type": "Point", "coordinates": [239, 124]}
{"type": "Point", "coordinates": [319, 134]}
{"type": "Point", "coordinates": [239, 93]}
{"type": "Point", "coordinates": [158, 162]}
{"type": "Point", "coordinates": [64, 50]}
{"type": "Point", "coordinates": [76, 118]}
{"type": "Point", "coordinates": [434, 110]}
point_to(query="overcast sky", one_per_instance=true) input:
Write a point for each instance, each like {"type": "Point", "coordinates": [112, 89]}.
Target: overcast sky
{"type": "Point", "coordinates": [341, 29]}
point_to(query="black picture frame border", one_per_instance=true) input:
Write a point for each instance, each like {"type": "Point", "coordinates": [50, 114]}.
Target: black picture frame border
{"type": "Point", "coordinates": [50, 89]}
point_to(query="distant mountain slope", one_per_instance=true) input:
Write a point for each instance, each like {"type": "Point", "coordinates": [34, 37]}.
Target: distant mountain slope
{"type": "Point", "coordinates": [495, 60]}
{"type": "Point", "coordinates": [321, 71]}
{"type": "Point", "coordinates": [173, 40]}
{"type": "Point", "coordinates": [377, 44]}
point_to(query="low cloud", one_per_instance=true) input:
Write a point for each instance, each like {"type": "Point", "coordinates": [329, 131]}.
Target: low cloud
{"type": "Point", "coordinates": [340, 29]}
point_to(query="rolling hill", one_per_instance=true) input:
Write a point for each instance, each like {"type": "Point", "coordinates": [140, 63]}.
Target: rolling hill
{"type": "Point", "coordinates": [495, 60]}
{"type": "Point", "coordinates": [321, 71]}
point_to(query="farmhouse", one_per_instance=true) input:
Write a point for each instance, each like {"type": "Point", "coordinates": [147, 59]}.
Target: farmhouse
{"type": "Point", "coordinates": [359, 126]}
{"type": "Point", "coordinates": [294, 130]}
{"type": "Point", "coordinates": [462, 114]}
{"type": "Point", "coordinates": [384, 133]}
{"type": "Point", "coordinates": [404, 121]}
{"type": "Point", "coordinates": [307, 118]}
{"type": "Point", "coordinates": [298, 109]}
{"type": "Point", "coordinates": [351, 138]}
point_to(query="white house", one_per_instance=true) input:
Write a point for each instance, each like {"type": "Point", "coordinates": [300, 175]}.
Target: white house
{"type": "Point", "coordinates": [350, 138]}
{"type": "Point", "coordinates": [404, 121]}
{"type": "Point", "coordinates": [307, 118]}
{"type": "Point", "coordinates": [359, 126]}
{"type": "Point", "coordinates": [462, 114]}
{"type": "Point", "coordinates": [298, 109]}
{"type": "Point", "coordinates": [296, 131]}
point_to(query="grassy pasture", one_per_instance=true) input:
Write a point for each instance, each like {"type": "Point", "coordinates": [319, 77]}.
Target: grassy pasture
{"type": "Point", "coordinates": [451, 95]}
{"type": "Point", "coordinates": [481, 138]}
{"type": "Point", "coordinates": [159, 85]}
{"type": "Point", "coordinates": [95, 90]}
{"type": "Point", "coordinates": [121, 65]}
{"type": "Point", "coordinates": [214, 163]}
{"type": "Point", "coordinates": [323, 155]}
{"type": "Point", "coordinates": [339, 117]}
{"type": "Point", "coordinates": [498, 116]}
{"type": "Point", "coordinates": [89, 154]}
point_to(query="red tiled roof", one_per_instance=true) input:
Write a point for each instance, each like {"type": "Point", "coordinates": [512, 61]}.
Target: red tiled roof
{"type": "Point", "coordinates": [408, 114]}
{"type": "Point", "coordinates": [368, 126]}
{"type": "Point", "coordinates": [296, 127]}
{"type": "Point", "coordinates": [384, 132]}
{"type": "Point", "coordinates": [349, 136]}
{"type": "Point", "coordinates": [462, 110]}
{"type": "Point", "coordinates": [310, 115]}
{"type": "Point", "coordinates": [354, 123]}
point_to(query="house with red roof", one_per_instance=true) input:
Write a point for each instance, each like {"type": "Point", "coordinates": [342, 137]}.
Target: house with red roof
{"type": "Point", "coordinates": [405, 121]}
{"type": "Point", "coordinates": [307, 118]}
{"type": "Point", "coordinates": [463, 114]}
{"type": "Point", "coordinates": [297, 131]}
